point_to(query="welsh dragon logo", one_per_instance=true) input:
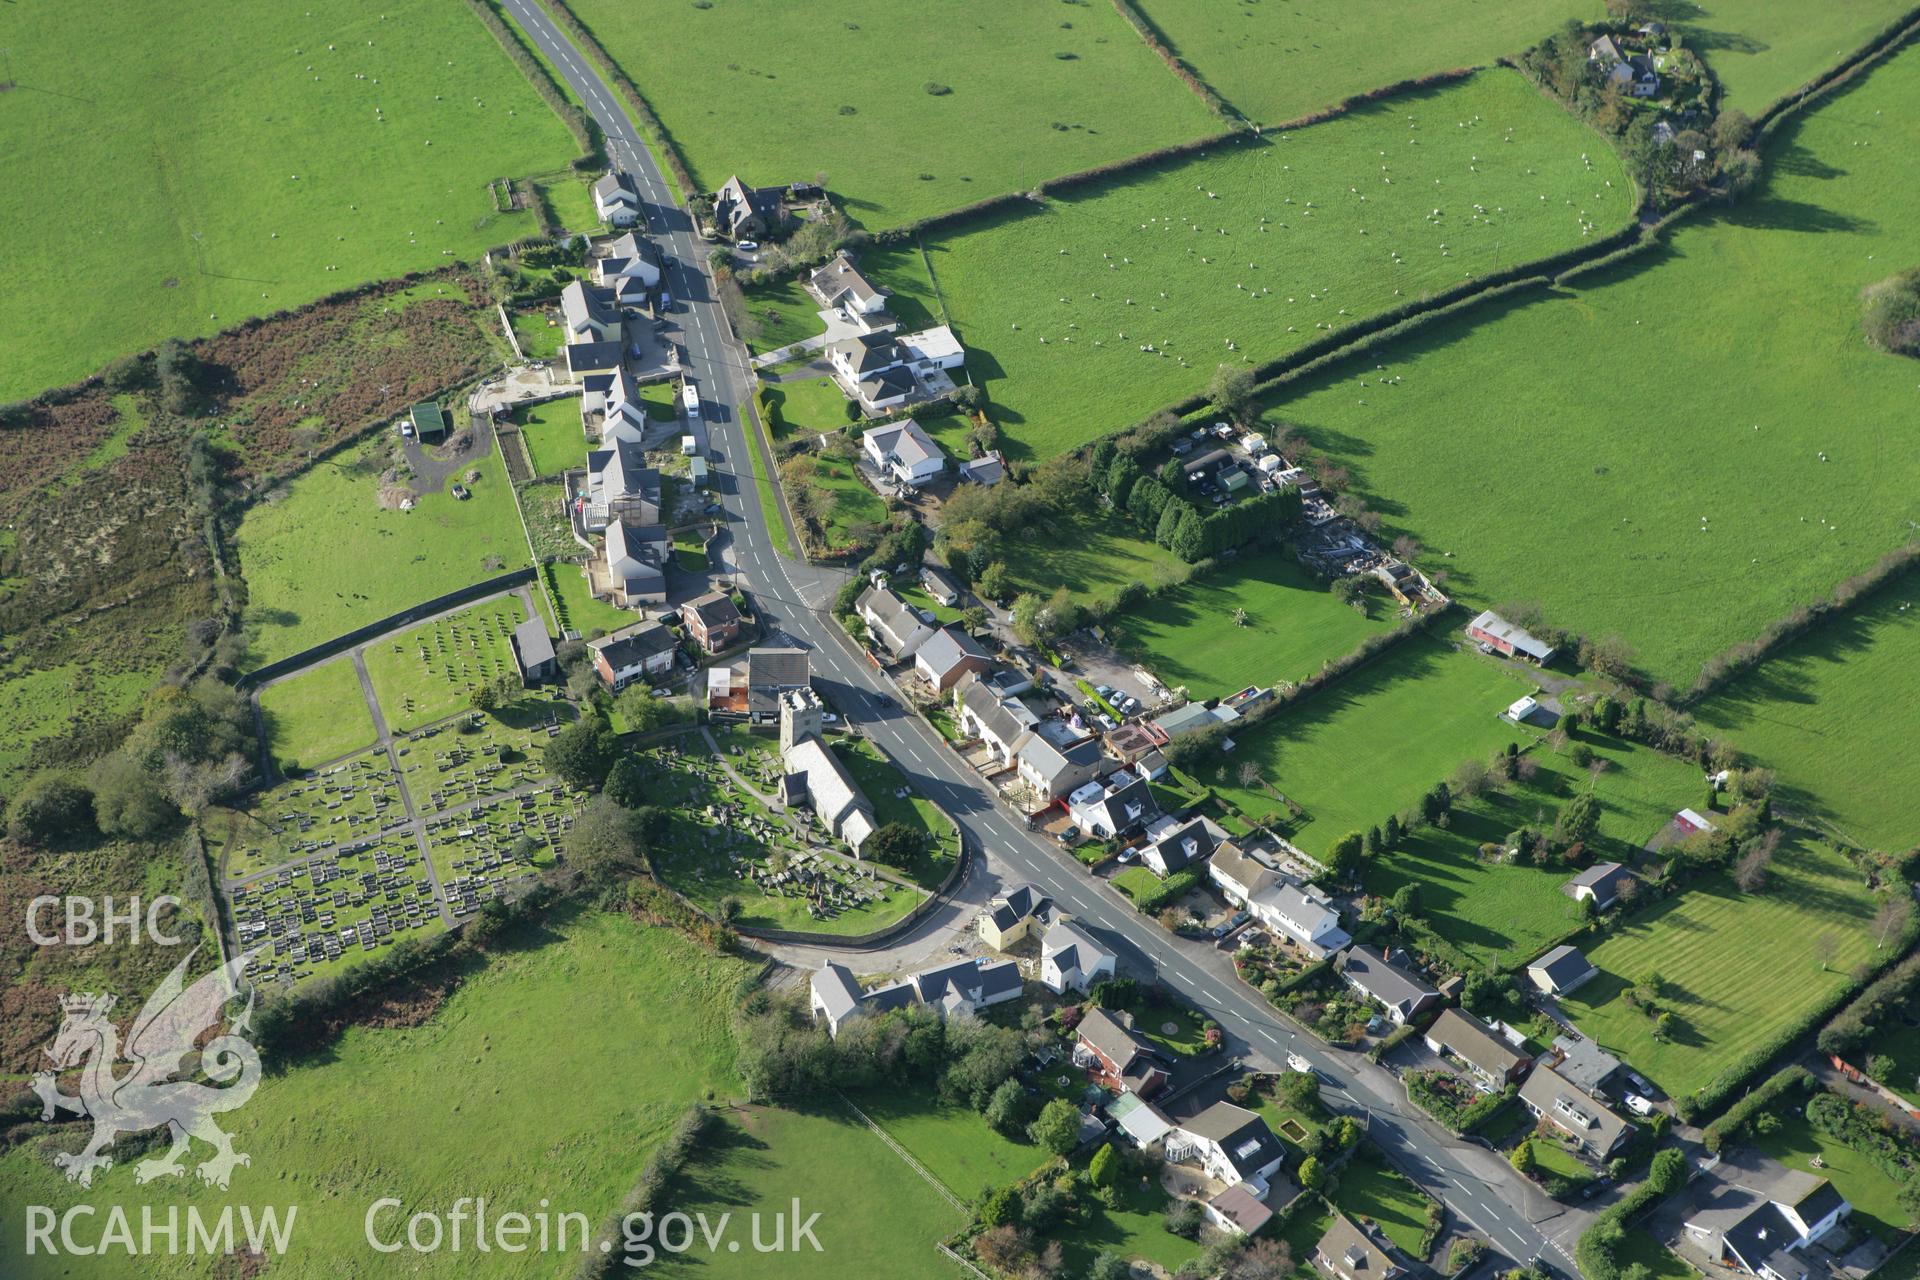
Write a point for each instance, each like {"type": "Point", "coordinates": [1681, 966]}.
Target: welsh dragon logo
{"type": "Point", "coordinates": [159, 1044]}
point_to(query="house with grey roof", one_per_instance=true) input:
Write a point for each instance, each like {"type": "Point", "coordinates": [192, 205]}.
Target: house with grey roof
{"type": "Point", "coordinates": [1013, 915]}
{"type": "Point", "coordinates": [589, 313]}
{"type": "Point", "coordinates": [942, 583]}
{"type": "Point", "coordinates": [616, 200]}
{"type": "Point", "coordinates": [1302, 914]}
{"type": "Point", "coordinates": [968, 986]}
{"type": "Point", "coordinates": [1581, 1117]}
{"type": "Point", "coordinates": [1346, 1252]}
{"type": "Point", "coordinates": [1387, 981]}
{"type": "Point", "coordinates": [772, 671]}
{"type": "Point", "coordinates": [895, 624]}
{"type": "Point", "coordinates": [1599, 884]}
{"type": "Point", "coordinates": [1473, 1043]}
{"type": "Point", "coordinates": [1052, 771]}
{"type": "Point", "coordinates": [1116, 1057]}
{"type": "Point", "coordinates": [1234, 1145]}
{"type": "Point", "coordinates": [836, 996]}
{"type": "Point", "coordinates": [533, 652]}
{"type": "Point", "coordinates": [1183, 845]}
{"type": "Point", "coordinates": [741, 212]}
{"type": "Point", "coordinates": [841, 287]}
{"type": "Point", "coordinates": [1584, 1063]}
{"type": "Point", "coordinates": [1106, 810]}
{"type": "Point", "coordinates": [1070, 958]}
{"type": "Point", "coordinates": [904, 450]}
{"type": "Point", "coordinates": [1560, 971]}
{"type": "Point", "coordinates": [989, 469]}
{"type": "Point", "coordinates": [998, 722]}
{"type": "Point", "coordinates": [948, 655]}
{"type": "Point", "coordinates": [1239, 875]}
{"type": "Point", "coordinates": [629, 257]}
{"type": "Point", "coordinates": [620, 486]}
{"type": "Point", "coordinates": [635, 556]}
{"type": "Point", "coordinates": [632, 653]}
{"type": "Point", "coordinates": [1142, 1122]}
{"type": "Point", "coordinates": [1767, 1229]}
{"type": "Point", "coordinates": [1192, 718]}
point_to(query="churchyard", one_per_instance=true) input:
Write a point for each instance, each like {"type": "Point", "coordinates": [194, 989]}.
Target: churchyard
{"type": "Point", "coordinates": [349, 802]}
{"type": "Point", "coordinates": [315, 716]}
{"type": "Point", "coordinates": [430, 672]}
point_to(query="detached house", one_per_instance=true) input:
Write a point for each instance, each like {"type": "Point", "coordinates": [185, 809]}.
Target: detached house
{"type": "Point", "coordinates": [616, 200]}
{"type": "Point", "coordinates": [1403, 994]}
{"type": "Point", "coordinates": [741, 212]}
{"type": "Point", "coordinates": [1116, 1056]}
{"type": "Point", "coordinates": [840, 286]}
{"type": "Point", "coordinates": [632, 653]}
{"type": "Point", "coordinates": [1070, 960]}
{"type": "Point", "coordinates": [1012, 916]}
{"type": "Point", "coordinates": [870, 370]}
{"type": "Point", "coordinates": [1186, 844]}
{"type": "Point", "coordinates": [1491, 1059]}
{"type": "Point", "coordinates": [968, 986]}
{"type": "Point", "coordinates": [713, 620]}
{"type": "Point", "coordinates": [589, 313]}
{"type": "Point", "coordinates": [1104, 812]}
{"type": "Point", "coordinates": [948, 656]}
{"type": "Point", "coordinates": [1232, 1144]}
{"type": "Point", "coordinates": [1346, 1252]}
{"type": "Point", "coordinates": [1300, 912]}
{"type": "Point", "coordinates": [905, 451]}
{"type": "Point", "coordinates": [635, 556]}
{"type": "Point", "coordinates": [630, 257]}
{"type": "Point", "coordinates": [897, 625]}
{"type": "Point", "coordinates": [1593, 1128]}
{"type": "Point", "coordinates": [1599, 884]}
{"type": "Point", "coordinates": [1764, 1231]}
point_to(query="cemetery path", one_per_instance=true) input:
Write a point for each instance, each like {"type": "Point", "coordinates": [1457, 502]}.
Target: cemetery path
{"type": "Point", "coordinates": [414, 820]}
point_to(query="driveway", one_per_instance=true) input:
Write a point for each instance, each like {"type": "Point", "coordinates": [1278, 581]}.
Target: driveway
{"type": "Point", "coordinates": [434, 465]}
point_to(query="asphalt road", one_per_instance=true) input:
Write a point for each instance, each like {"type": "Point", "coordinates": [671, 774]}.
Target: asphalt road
{"type": "Point", "coordinates": [1477, 1185]}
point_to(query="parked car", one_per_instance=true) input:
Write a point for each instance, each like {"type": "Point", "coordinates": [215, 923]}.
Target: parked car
{"type": "Point", "coordinates": [748, 245]}
{"type": "Point", "coordinates": [713, 508]}
{"type": "Point", "coordinates": [1638, 1105]}
{"type": "Point", "coordinates": [1297, 1063]}
{"type": "Point", "coordinates": [1128, 855]}
{"type": "Point", "coordinates": [1069, 835]}
{"type": "Point", "coordinates": [1639, 1081]}
{"type": "Point", "coordinates": [1104, 690]}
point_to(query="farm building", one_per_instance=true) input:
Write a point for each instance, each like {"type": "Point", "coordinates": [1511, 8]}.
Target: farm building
{"type": "Point", "coordinates": [429, 422]}
{"type": "Point", "coordinates": [1501, 636]}
{"type": "Point", "coordinates": [1599, 884]}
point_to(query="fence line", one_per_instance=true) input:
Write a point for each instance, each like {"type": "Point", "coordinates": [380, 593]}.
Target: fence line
{"type": "Point", "coordinates": [907, 1156]}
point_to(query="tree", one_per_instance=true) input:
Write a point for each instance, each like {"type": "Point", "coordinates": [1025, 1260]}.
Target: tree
{"type": "Point", "coordinates": [581, 753]}
{"type": "Point", "coordinates": [1750, 873]}
{"type": "Point", "coordinates": [645, 713]}
{"type": "Point", "coordinates": [1406, 899]}
{"type": "Point", "coordinates": [1182, 1218]}
{"type": "Point", "coordinates": [1825, 947]}
{"type": "Point", "coordinates": [606, 842]}
{"type": "Point", "coordinates": [1230, 390]}
{"type": "Point", "coordinates": [1109, 1266]}
{"type": "Point", "coordinates": [1523, 1160]}
{"type": "Point", "coordinates": [1890, 313]}
{"type": "Point", "coordinates": [1008, 1110]}
{"type": "Point", "coordinates": [974, 619]}
{"type": "Point", "coordinates": [1104, 1168]}
{"type": "Point", "coordinates": [1189, 540]}
{"type": "Point", "coordinates": [1058, 1128]}
{"type": "Point", "coordinates": [994, 581]}
{"type": "Point", "coordinates": [1312, 1175]}
{"type": "Point", "coordinates": [1577, 820]}
{"type": "Point", "coordinates": [52, 806]}
{"type": "Point", "coordinates": [1731, 130]}
{"type": "Point", "coordinates": [1262, 1259]}
{"type": "Point", "coordinates": [1664, 1025]}
{"type": "Point", "coordinates": [128, 799]}
{"type": "Point", "coordinates": [1628, 10]}
{"type": "Point", "coordinates": [1390, 832]}
{"type": "Point", "coordinates": [1343, 856]}
{"type": "Point", "coordinates": [627, 784]}
{"type": "Point", "coordinates": [895, 844]}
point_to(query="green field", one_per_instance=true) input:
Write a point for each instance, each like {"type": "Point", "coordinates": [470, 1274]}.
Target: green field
{"type": "Point", "coordinates": [1828, 715]}
{"type": "Point", "coordinates": [1278, 61]}
{"type": "Point", "coordinates": [809, 401]}
{"type": "Point", "coordinates": [955, 1144]}
{"type": "Point", "coordinates": [1762, 50]}
{"type": "Point", "coordinates": [464, 1104]}
{"type": "Point", "coordinates": [788, 92]}
{"type": "Point", "coordinates": [1728, 992]}
{"type": "Point", "coordinates": [1371, 743]}
{"type": "Point", "coordinates": [1090, 553]}
{"type": "Point", "coordinates": [1294, 624]}
{"type": "Point", "coordinates": [1261, 247]}
{"type": "Point", "coordinates": [430, 672]}
{"type": "Point", "coordinates": [328, 556]}
{"type": "Point", "coordinates": [253, 168]}
{"type": "Point", "coordinates": [1875, 1197]}
{"type": "Point", "coordinates": [849, 509]}
{"type": "Point", "coordinates": [1745, 332]}
{"type": "Point", "coordinates": [316, 716]}
{"type": "Point", "coordinates": [1505, 914]}
{"type": "Point", "coordinates": [877, 1217]}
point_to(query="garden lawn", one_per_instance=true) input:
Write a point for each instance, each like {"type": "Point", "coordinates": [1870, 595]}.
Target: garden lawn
{"type": "Point", "coordinates": [316, 716]}
{"type": "Point", "coordinates": [570, 199]}
{"type": "Point", "coordinates": [1188, 636]}
{"type": "Point", "coordinates": [1137, 1229]}
{"type": "Point", "coordinates": [253, 167]}
{"type": "Point", "coordinates": [842, 89]}
{"type": "Point", "coordinates": [811, 402]}
{"type": "Point", "coordinates": [777, 314]}
{"type": "Point", "coordinates": [877, 1217]}
{"type": "Point", "coordinates": [1136, 882]}
{"type": "Point", "coordinates": [1259, 248]}
{"type": "Point", "coordinates": [1092, 554]}
{"type": "Point", "coordinates": [431, 671]}
{"type": "Point", "coordinates": [555, 439]}
{"type": "Point", "coordinates": [850, 505]}
{"type": "Point", "coordinates": [580, 609]}
{"type": "Point", "coordinates": [1373, 742]}
{"type": "Point", "coordinates": [954, 1142]}
{"type": "Point", "coordinates": [1370, 1188]}
{"type": "Point", "coordinates": [461, 1105]}
{"type": "Point", "coordinates": [328, 557]}
{"type": "Point", "coordinates": [880, 779]}
{"type": "Point", "coordinates": [1834, 716]}
{"type": "Point", "coordinates": [1763, 50]}
{"type": "Point", "coordinates": [1504, 914]}
{"type": "Point", "coordinates": [1749, 324]}
{"type": "Point", "coordinates": [537, 333]}
{"type": "Point", "coordinates": [1737, 967]}
{"type": "Point", "coordinates": [1873, 1195]}
{"type": "Point", "coordinates": [1277, 62]}
{"type": "Point", "coordinates": [1557, 1161]}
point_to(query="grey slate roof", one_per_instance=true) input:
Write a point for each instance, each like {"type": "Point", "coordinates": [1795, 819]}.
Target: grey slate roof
{"type": "Point", "coordinates": [1573, 1109]}
{"type": "Point", "coordinates": [1474, 1041]}
{"type": "Point", "coordinates": [631, 646]}
{"type": "Point", "coordinates": [1604, 878]}
{"type": "Point", "coordinates": [1242, 1136]}
{"type": "Point", "coordinates": [1186, 844]}
{"type": "Point", "coordinates": [1369, 969]}
{"type": "Point", "coordinates": [532, 643]}
{"type": "Point", "coordinates": [1563, 967]}
{"type": "Point", "coordinates": [947, 648]}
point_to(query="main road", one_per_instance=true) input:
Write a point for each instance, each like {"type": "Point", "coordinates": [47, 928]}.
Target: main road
{"type": "Point", "coordinates": [1477, 1185]}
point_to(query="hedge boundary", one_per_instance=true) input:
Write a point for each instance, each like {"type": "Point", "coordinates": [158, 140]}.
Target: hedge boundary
{"type": "Point", "coordinates": [1730, 1125]}
{"type": "Point", "coordinates": [1879, 46]}
{"type": "Point", "coordinates": [610, 71]}
{"type": "Point", "coordinates": [581, 125]}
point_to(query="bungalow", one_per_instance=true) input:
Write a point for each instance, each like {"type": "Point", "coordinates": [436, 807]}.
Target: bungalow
{"type": "Point", "coordinates": [631, 257]}
{"type": "Point", "coordinates": [949, 655]}
{"type": "Point", "coordinates": [1232, 1144]}
{"type": "Point", "coordinates": [905, 451]}
{"type": "Point", "coordinates": [1763, 1230]}
{"type": "Point", "coordinates": [1116, 1056]}
{"type": "Point", "coordinates": [1011, 916]}
{"type": "Point", "coordinates": [1496, 633]}
{"type": "Point", "coordinates": [635, 557]}
{"type": "Point", "coordinates": [1599, 884]}
{"type": "Point", "coordinates": [741, 212]}
{"type": "Point", "coordinates": [1070, 960]}
{"type": "Point", "coordinates": [615, 200]}
{"type": "Point", "coordinates": [1381, 978]}
{"type": "Point", "coordinates": [1585, 1120]}
{"type": "Point", "coordinates": [1560, 971]}
{"type": "Point", "coordinates": [589, 314]}
{"type": "Point", "coordinates": [429, 422]}
{"type": "Point", "coordinates": [533, 652]}
{"type": "Point", "coordinates": [713, 620]}
{"type": "Point", "coordinates": [1302, 913]}
{"type": "Point", "coordinates": [814, 777]}
{"type": "Point", "coordinates": [1192, 718]}
{"type": "Point", "coordinates": [626, 655]}
{"type": "Point", "coordinates": [1491, 1059]}
{"type": "Point", "coordinates": [999, 723]}
{"type": "Point", "coordinates": [942, 584]}
{"type": "Point", "coordinates": [841, 287]}
{"type": "Point", "coordinates": [1142, 1122]}
{"type": "Point", "coordinates": [1104, 812]}
{"type": "Point", "coordinates": [1584, 1064]}
{"type": "Point", "coordinates": [1054, 771]}
{"type": "Point", "coordinates": [770, 673]}
{"type": "Point", "coordinates": [1345, 1252]}
{"type": "Point", "coordinates": [897, 625]}
{"type": "Point", "coordinates": [968, 986]}
{"type": "Point", "coordinates": [1184, 845]}
{"type": "Point", "coordinates": [620, 486]}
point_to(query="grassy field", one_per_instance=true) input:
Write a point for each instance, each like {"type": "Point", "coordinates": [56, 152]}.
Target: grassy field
{"type": "Point", "coordinates": [843, 89]}
{"type": "Point", "coordinates": [554, 437]}
{"type": "Point", "coordinates": [1762, 50]}
{"type": "Point", "coordinates": [1370, 1188]}
{"type": "Point", "coordinates": [461, 1105]}
{"type": "Point", "coordinates": [1505, 914]}
{"type": "Point", "coordinates": [1373, 742]}
{"type": "Point", "coordinates": [534, 328]}
{"type": "Point", "coordinates": [328, 556]}
{"type": "Point", "coordinates": [1829, 716]}
{"type": "Point", "coordinates": [1259, 248]}
{"type": "Point", "coordinates": [877, 1217]}
{"type": "Point", "coordinates": [1091, 553]}
{"type": "Point", "coordinates": [955, 1144]}
{"type": "Point", "coordinates": [316, 716]}
{"type": "Point", "coordinates": [430, 672]}
{"type": "Point", "coordinates": [1727, 994]}
{"type": "Point", "coordinates": [258, 159]}
{"type": "Point", "coordinates": [1746, 329]}
{"type": "Point", "coordinates": [1294, 624]}
{"type": "Point", "coordinates": [1873, 1195]}
{"type": "Point", "coordinates": [1276, 62]}
{"type": "Point", "coordinates": [850, 505]}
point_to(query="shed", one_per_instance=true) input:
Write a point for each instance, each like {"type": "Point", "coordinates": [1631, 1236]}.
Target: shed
{"type": "Point", "coordinates": [429, 422]}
